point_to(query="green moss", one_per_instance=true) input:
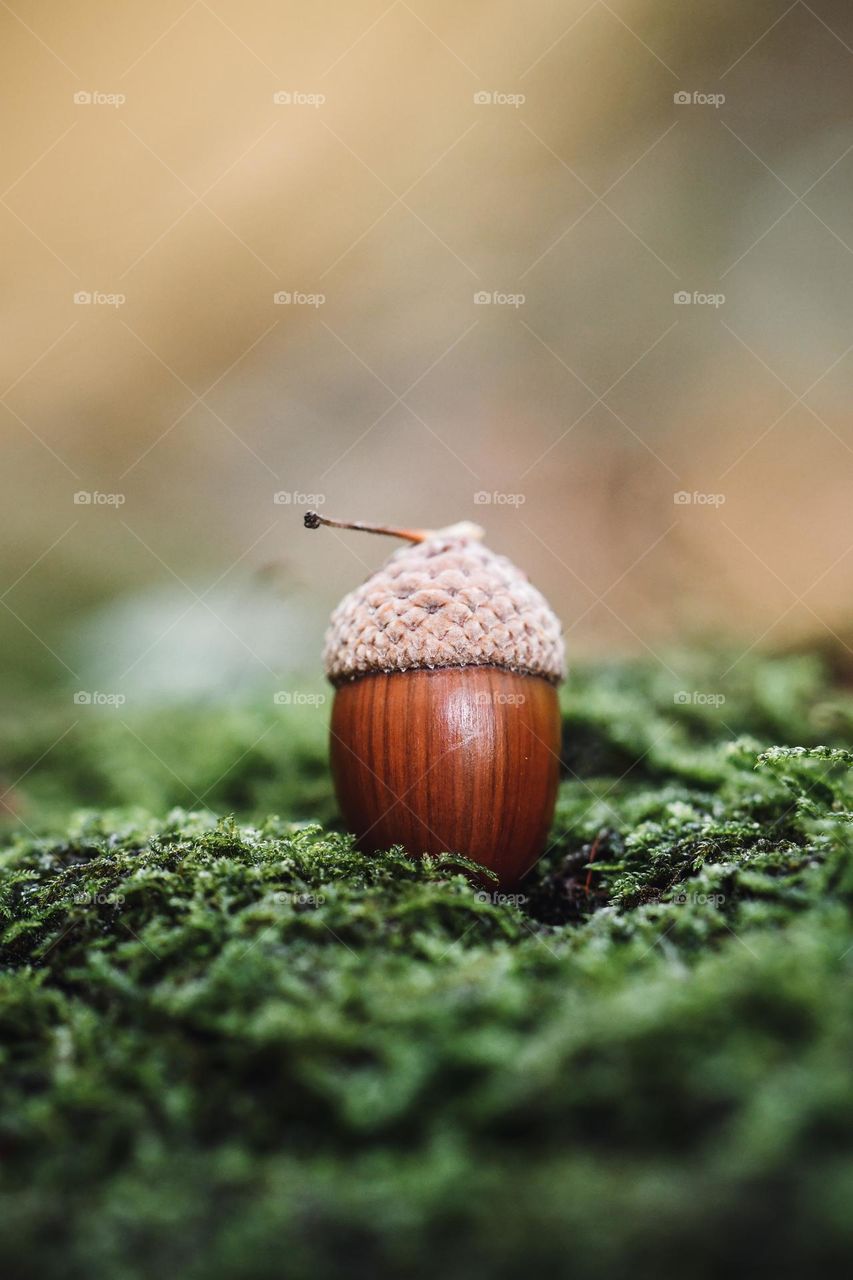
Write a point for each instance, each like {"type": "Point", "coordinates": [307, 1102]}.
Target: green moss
{"type": "Point", "coordinates": [234, 1047]}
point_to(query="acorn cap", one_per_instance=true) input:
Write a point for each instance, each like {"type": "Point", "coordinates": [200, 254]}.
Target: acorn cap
{"type": "Point", "coordinates": [446, 601]}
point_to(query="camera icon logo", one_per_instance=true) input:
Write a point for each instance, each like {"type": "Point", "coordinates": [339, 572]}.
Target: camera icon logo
{"type": "Point", "coordinates": [482, 299]}
{"type": "Point", "coordinates": [82, 98]}
{"type": "Point", "coordinates": [682, 298]}
{"type": "Point", "coordinates": [681, 698]}
{"type": "Point", "coordinates": [282, 98]}
{"type": "Point", "coordinates": [282, 298]}
{"type": "Point", "coordinates": [82, 498]}
{"type": "Point", "coordinates": [283, 698]}
{"type": "Point", "coordinates": [681, 99]}
{"type": "Point", "coordinates": [682, 498]}
{"type": "Point", "coordinates": [82, 698]}
{"type": "Point", "coordinates": [82, 298]}
{"type": "Point", "coordinates": [483, 98]}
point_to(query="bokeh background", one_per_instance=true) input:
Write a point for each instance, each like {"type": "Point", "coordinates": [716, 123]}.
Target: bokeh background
{"type": "Point", "coordinates": [168, 169]}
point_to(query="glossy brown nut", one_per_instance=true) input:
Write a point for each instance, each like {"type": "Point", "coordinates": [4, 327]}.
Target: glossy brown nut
{"type": "Point", "coordinates": [460, 760]}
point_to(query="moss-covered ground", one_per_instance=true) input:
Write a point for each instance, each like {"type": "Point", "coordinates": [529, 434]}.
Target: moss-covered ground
{"type": "Point", "coordinates": [232, 1047]}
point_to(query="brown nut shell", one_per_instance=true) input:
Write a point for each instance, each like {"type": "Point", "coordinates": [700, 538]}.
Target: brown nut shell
{"type": "Point", "coordinates": [460, 760]}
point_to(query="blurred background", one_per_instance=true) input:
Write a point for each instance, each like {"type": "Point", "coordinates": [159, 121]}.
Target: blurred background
{"type": "Point", "coordinates": [579, 271]}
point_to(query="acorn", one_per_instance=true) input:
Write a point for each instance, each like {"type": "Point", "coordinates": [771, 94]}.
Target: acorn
{"type": "Point", "coordinates": [445, 727]}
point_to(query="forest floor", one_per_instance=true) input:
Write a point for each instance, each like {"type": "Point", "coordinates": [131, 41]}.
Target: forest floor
{"type": "Point", "coordinates": [233, 1048]}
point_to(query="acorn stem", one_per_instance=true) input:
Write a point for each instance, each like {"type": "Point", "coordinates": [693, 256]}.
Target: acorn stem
{"type": "Point", "coordinates": [464, 529]}
{"type": "Point", "coordinates": [313, 520]}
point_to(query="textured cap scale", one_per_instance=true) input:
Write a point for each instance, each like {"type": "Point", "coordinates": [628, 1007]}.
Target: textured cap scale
{"type": "Point", "coordinates": [446, 601]}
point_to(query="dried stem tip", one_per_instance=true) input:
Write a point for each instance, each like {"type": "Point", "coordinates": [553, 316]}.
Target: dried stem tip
{"type": "Point", "coordinates": [313, 520]}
